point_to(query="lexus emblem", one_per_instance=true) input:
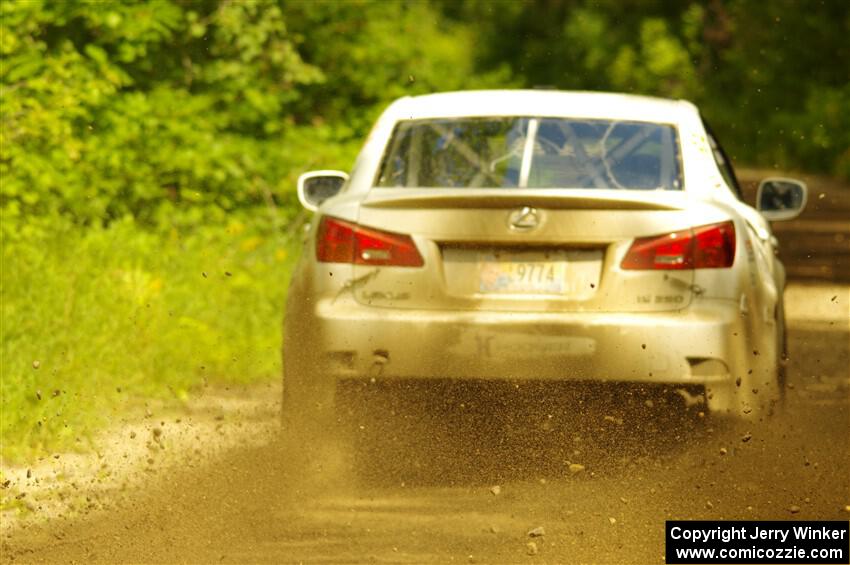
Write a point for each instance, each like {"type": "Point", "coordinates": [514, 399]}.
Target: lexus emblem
{"type": "Point", "coordinates": [524, 219]}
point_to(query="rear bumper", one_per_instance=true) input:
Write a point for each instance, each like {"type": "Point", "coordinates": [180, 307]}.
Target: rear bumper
{"type": "Point", "coordinates": [696, 345]}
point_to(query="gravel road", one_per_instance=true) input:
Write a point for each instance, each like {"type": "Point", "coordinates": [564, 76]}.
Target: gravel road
{"type": "Point", "coordinates": [600, 484]}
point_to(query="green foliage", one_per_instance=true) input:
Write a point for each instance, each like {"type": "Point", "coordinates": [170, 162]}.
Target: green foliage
{"type": "Point", "coordinates": [147, 110]}
{"type": "Point", "coordinates": [771, 76]}
{"type": "Point", "coordinates": [113, 316]}
{"type": "Point", "coordinates": [169, 111]}
{"type": "Point", "coordinates": [164, 110]}
{"type": "Point", "coordinates": [374, 52]}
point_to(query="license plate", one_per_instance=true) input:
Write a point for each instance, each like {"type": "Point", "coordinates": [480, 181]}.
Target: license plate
{"type": "Point", "coordinates": [522, 272]}
{"type": "Point", "coordinates": [572, 274]}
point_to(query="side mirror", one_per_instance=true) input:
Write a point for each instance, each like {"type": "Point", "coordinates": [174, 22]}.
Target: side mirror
{"type": "Point", "coordinates": [317, 186]}
{"type": "Point", "coordinates": [781, 199]}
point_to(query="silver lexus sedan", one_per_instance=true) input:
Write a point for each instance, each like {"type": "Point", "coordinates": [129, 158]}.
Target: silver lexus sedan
{"type": "Point", "coordinates": [539, 236]}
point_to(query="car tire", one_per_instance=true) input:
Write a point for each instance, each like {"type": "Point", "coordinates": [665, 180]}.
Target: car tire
{"type": "Point", "coordinates": [782, 362]}
{"type": "Point", "coordinates": [310, 426]}
{"type": "Point", "coordinates": [755, 391]}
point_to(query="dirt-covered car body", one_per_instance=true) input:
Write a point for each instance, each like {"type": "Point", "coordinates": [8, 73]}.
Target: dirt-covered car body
{"type": "Point", "coordinates": [538, 235]}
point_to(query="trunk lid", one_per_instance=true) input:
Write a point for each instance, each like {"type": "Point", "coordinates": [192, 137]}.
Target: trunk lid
{"type": "Point", "coordinates": [524, 250]}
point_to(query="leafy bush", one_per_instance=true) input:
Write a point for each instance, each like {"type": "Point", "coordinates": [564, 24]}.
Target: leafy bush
{"type": "Point", "coordinates": [160, 108]}
{"type": "Point", "coordinates": [770, 75]}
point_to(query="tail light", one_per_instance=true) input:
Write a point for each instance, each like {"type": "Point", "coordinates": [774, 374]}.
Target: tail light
{"type": "Point", "coordinates": [705, 247]}
{"type": "Point", "coordinates": [339, 241]}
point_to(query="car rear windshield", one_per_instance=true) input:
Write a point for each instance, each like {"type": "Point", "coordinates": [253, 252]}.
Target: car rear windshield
{"type": "Point", "coordinates": [528, 152]}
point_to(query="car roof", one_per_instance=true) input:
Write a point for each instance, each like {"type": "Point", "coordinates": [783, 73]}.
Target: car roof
{"type": "Point", "coordinates": [549, 103]}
